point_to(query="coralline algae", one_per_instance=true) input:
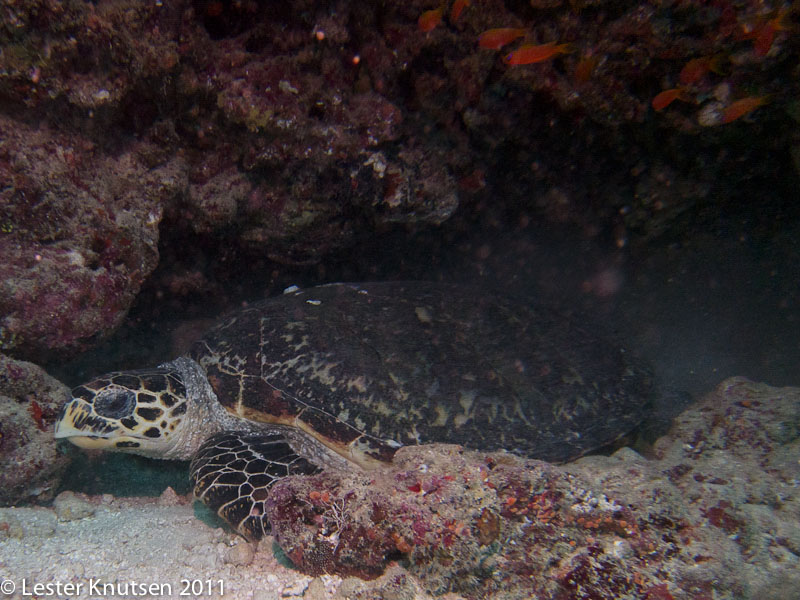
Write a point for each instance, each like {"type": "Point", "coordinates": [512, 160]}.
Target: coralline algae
{"type": "Point", "coordinates": [713, 514]}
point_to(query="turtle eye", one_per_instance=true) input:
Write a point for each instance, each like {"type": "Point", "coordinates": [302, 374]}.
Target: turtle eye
{"type": "Point", "coordinates": [115, 404]}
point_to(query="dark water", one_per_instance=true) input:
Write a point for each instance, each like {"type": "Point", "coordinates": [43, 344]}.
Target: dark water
{"type": "Point", "coordinates": [700, 309]}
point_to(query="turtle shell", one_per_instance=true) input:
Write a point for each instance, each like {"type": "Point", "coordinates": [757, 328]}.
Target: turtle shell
{"type": "Point", "coordinates": [365, 367]}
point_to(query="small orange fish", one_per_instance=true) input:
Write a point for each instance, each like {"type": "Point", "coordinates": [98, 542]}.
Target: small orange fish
{"type": "Point", "coordinates": [763, 41]}
{"type": "Point", "coordinates": [430, 19]}
{"type": "Point", "coordinates": [742, 107]}
{"type": "Point", "coordinates": [667, 97]}
{"type": "Point", "coordinates": [766, 35]}
{"type": "Point", "coordinates": [457, 8]}
{"type": "Point", "coordinates": [763, 34]}
{"type": "Point", "coordinates": [529, 54]}
{"type": "Point", "coordinates": [694, 70]}
{"type": "Point", "coordinates": [494, 39]}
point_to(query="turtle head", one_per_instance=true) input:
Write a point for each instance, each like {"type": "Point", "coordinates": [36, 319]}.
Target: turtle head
{"type": "Point", "coordinates": [133, 411]}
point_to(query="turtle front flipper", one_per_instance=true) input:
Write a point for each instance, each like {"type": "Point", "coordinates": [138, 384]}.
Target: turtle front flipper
{"type": "Point", "coordinates": [233, 471]}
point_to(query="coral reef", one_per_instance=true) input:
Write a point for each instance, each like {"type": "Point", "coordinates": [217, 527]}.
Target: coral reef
{"type": "Point", "coordinates": [78, 236]}
{"type": "Point", "coordinates": [286, 143]}
{"type": "Point", "coordinates": [29, 404]}
{"type": "Point", "coordinates": [286, 132]}
{"type": "Point", "coordinates": [714, 512]}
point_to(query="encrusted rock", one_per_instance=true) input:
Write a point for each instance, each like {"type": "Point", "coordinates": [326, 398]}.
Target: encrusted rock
{"type": "Point", "coordinates": [240, 554]}
{"type": "Point", "coordinates": [30, 466]}
{"type": "Point", "coordinates": [78, 236]}
{"type": "Point", "coordinates": [716, 508]}
{"type": "Point", "coordinates": [69, 506]}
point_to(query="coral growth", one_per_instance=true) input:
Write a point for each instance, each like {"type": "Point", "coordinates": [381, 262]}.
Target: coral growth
{"type": "Point", "coordinates": [702, 515]}
{"type": "Point", "coordinates": [29, 404]}
{"type": "Point", "coordinates": [78, 237]}
{"type": "Point", "coordinates": [301, 128]}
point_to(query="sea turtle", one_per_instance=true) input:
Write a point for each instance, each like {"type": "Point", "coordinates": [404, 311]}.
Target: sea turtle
{"type": "Point", "coordinates": [342, 375]}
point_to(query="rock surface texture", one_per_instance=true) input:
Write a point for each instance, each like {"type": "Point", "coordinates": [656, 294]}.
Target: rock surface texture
{"type": "Point", "coordinates": [712, 515]}
{"type": "Point", "coordinates": [79, 235]}
{"type": "Point", "coordinates": [30, 465]}
{"type": "Point", "coordinates": [252, 137]}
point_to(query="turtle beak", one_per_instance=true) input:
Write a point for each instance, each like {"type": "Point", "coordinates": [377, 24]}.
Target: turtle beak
{"type": "Point", "coordinates": [65, 425]}
{"type": "Point", "coordinates": [75, 424]}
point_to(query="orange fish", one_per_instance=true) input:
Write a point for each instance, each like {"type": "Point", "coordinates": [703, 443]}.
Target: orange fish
{"type": "Point", "coordinates": [763, 34]}
{"type": "Point", "coordinates": [742, 107]}
{"type": "Point", "coordinates": [694, 70]}
{"type": "Point", "coordinates": [430, 19]}
{"type": "Point", "coordinates": [529, 54]}
{"type": "Point", "coordinates": [667, 97]}
{"type": "Point", "coordinates": [766, 34]}
{"type": "Point", "coordinates": [457, 8]}
{"type": "Point", "coordinates": [763, 41]}
{"type": "Point", "coordinates": [494, 39]}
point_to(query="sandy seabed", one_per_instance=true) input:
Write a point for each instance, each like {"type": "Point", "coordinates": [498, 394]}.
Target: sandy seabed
{"type": "Point", "coordinates": [144, 548]}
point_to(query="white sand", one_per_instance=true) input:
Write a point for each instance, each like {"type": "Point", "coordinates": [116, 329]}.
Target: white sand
{"type": "Point", "coordinates": [158, 548]}
{"type": "Point", "coordinates": [139, 546]}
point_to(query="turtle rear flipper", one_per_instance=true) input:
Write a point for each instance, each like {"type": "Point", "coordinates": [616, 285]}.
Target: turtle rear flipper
{"type": "Point", "coordinates": [233, 471]}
